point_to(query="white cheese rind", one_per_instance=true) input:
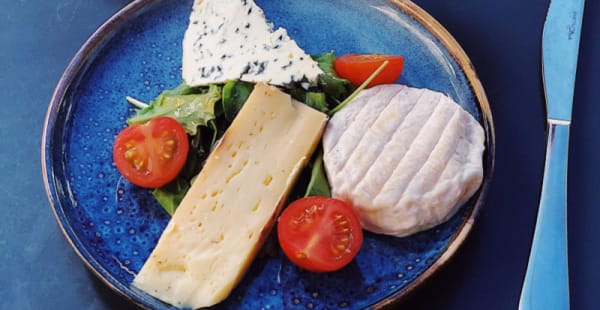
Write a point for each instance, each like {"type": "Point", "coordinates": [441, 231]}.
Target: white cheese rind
{"type": "Point", "coordinates": [231, 207]}
{"type": "Point", "coordinates": [232, 40]}
{"type": "Point", "coordinates": [405, 158]}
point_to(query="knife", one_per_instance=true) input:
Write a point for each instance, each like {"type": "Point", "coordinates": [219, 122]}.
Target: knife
{"type": "Point", "coordinates": [546, 284]}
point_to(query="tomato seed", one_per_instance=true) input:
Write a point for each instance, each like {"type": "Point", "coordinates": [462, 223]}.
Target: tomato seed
{"type": "Point", "coordinates": [138, 164]}
{"type": "Point", "coordinates": [129, 154]}
{"type": "Point", "coordinates": [343, 223]}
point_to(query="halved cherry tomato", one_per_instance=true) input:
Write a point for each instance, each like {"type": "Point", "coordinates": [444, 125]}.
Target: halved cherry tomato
{"type": "Point", "coordinates": [319, 234]}
{"type": "Point", "coordinates": [357, 68]}
{"type": "Point", "coordinates": [151, 155]}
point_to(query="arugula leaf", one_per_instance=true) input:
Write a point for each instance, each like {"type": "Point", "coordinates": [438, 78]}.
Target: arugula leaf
{"type": "Point", "coordinates": [169, 196]}
{"type": "Point", "coordinates": [330, 89]}
{"type": "Point", "coordinates": [325, 62]}
{"type": "Point", "coordinates": [359, 89]}
{"type": "Point", "coordinates": [332, 85]}
{"type": "Point", "coordinates": [318, 185]}
{"type": "Point", "coordinates": [317, 101]}
{"type": "Point", "coordinates": [190, 110]}
{"type": "Point", "coordinates": [235, 94]}
{"type": "Point", "coordinates": [196, 155]}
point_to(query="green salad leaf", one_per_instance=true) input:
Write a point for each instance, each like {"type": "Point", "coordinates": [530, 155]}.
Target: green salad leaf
{"type": "Point", "coordinates": [330, 89]}
{"type": "Point", "coordinates": [189, 109]}
{"type": "Point", "coordinates": [317, 101]}
{"type": "Point", "coordinates": [318, 185]}
{"type": "Point", "coordinates": [235, 94]}
{"type": "Point", "coordinates": [313, 99]}
{"type": "Point", "coordinates": [336, 88]}
{"type": "Point", "coordinates": [169, 196]}
{"type": "Point", "coordinates": [360, 88]}
{"type": "Point", "coordinates": [325, 62]}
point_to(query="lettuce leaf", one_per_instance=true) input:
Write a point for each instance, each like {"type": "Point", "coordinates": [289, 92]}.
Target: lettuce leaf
{"type": "Point", "coordinates": [190, 110]}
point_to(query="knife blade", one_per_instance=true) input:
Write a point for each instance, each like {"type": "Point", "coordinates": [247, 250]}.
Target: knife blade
{"type": "Point", "coordinates": [560, 50]}
{"type": "Point", "coordinates": [546, 284]}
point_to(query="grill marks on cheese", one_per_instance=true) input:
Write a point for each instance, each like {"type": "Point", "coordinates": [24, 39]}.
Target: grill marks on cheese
{"type": "Point", "coordinates": [232, 40]}
{"type": "Point", "coordinates": [406, 158]}
{"type": "Point", "coordinates": [221, 223]}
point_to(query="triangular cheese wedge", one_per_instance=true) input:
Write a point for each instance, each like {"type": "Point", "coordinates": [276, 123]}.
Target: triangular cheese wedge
{"type": "Point", "coordinates": [232, 40]}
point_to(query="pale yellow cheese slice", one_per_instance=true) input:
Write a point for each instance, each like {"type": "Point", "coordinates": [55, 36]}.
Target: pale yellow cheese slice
{"type": "Point", "coordinates": [232, 205]}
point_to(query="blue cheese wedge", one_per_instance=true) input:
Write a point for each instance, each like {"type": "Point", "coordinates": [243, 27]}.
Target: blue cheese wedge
{"type": "Point", "coordinates": [405, 158]}
{"type": "Point", "coordinates": [231, 207]}
{"type": "Point", "coordinates": [232, 40]}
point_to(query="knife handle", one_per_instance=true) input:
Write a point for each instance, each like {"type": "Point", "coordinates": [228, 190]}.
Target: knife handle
{"type": "Point", "coordinates": [546, 284]}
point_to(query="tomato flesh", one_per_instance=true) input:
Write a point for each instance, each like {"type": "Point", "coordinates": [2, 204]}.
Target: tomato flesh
{"type": "Point", "coordinates": [319, 234]}
{"type": "Point", "coordinates": [153, 154]}
{"type": "Point", "coordinates": [357, 68]}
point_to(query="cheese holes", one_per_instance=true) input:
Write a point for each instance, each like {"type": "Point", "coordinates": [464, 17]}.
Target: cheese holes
{"type": "Point", "coordinates": [256, 206]}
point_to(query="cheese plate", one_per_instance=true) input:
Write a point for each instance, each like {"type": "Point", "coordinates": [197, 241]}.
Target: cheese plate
{"type": "Point", "coordinates": [113, 225]}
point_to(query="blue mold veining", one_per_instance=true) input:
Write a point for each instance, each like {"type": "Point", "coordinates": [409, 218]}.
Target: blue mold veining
{"type": "Point", "coordinates": [115, 225]}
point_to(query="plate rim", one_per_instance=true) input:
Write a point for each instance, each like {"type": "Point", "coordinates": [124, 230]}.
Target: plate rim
{"type": "Point", "coordinates": [410, 8]}
{"type": "Point", "coordinates": [460, 56]}
{"type": "Point", "coordinates": [67, 78]}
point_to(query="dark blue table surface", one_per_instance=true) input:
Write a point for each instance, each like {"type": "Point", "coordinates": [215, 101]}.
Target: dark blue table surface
{"type": "Point", "coordinates": [39, 270]}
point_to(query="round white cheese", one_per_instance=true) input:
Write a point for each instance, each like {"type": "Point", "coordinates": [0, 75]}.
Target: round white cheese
{"type": "Point", "coordinates": [405, 158]}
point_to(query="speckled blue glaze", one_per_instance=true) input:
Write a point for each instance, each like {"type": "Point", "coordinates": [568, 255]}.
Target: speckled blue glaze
{"type": "Point", "coordinates": [114, 225]}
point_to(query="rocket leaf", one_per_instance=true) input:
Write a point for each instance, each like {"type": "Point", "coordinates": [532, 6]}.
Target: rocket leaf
{"type": "Point", "coordinates": [235, 94]}
{"type": "Point", "coordinates": [318, 185]}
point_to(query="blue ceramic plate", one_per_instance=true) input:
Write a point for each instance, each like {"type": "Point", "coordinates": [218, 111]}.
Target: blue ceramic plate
{"type": "Point", "coordinates": [113, 225]}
